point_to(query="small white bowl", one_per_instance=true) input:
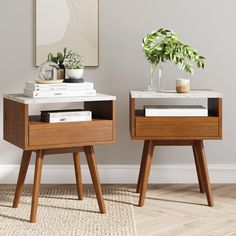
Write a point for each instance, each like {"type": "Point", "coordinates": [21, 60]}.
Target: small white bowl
{"type": "Point", "coordinates": [74, 73]}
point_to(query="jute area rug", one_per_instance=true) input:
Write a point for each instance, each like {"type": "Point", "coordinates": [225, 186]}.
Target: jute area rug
{"type": "Point", "coordinates": [61, 213]}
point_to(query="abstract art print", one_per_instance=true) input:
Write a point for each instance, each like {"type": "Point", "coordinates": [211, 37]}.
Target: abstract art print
{"type": "Point", "coordinates": [67, 23]}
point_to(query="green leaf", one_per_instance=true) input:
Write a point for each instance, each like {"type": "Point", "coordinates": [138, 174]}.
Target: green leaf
{"type": "Point", "coordinates": [164, 45]}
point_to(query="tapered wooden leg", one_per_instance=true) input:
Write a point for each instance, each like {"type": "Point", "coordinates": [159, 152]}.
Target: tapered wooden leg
{"type": "Point", "coordinates": [89, 152]}
{"type": "Point", "coordinates": [36, 186]}
{"type": "Point", "coordinates": [204, 171]}
{"type": "Point", "coordinates": [78, 175]}
{"type": "Point", "coordinates": [142, 166]}
{"type": "Point", "coordinates": [21, 178]}
{"type": "Point", "coordinates": [199, 172]}
{"type": "Point", "coordinates": [146, 172]}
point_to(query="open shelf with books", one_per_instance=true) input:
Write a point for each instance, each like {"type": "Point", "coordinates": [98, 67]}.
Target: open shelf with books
{"type": "Point", "coordinates": [197, 127]}
{"type": "Point", "coordinates": [30, 132]}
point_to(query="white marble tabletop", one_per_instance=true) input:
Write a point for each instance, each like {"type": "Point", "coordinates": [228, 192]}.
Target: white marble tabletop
{"type": "Point", "coordinates": [195, 93]}
{"type": "Point", "coordinates": [27, 100]}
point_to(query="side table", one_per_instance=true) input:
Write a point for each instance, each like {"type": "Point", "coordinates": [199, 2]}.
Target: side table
{"type": "Point", "coordinates": [30, 134]}
{"type": "Point", "coordinates": [176, 131]}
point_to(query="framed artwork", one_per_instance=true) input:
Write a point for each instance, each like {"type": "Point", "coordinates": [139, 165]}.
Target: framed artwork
{"type": "Point", "coordinates": [67, 23]}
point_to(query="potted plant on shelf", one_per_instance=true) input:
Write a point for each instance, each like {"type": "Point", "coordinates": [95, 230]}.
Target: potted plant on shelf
{"type": "Point", "coordinates": [59, 59]}
{"type": "Point", "coordinates": [164, 45]}
{"type": "Point", "coordinates": [74, 67]}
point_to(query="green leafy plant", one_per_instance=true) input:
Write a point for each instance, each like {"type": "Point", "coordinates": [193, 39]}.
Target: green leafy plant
{"type": "Point", "coordinates": [59, 58]}
{"type": "Point", "coordinates": [73, 60]}
{"type": "Point", "coordinates": [164, 45]}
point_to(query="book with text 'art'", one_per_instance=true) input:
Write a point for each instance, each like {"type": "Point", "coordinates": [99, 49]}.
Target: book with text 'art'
{"type": "Point", "coordinates": [57, 116]}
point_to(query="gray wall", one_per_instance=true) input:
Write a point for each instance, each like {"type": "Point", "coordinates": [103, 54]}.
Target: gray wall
{"type": "Point", "coordinates": [206, 25]}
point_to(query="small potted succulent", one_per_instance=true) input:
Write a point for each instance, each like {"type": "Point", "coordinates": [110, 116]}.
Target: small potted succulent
{"type": "Point", "coordinates": [74, 67]}
{"type": "Point", "coordinates": [59, 59]}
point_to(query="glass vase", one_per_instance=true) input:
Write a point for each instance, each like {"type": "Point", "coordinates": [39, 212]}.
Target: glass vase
{"type": "Point", "coordinates": [156, 80]}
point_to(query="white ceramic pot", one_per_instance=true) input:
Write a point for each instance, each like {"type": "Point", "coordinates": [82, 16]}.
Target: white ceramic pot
{"type": "Point", "coordinates": [74, 73]}
{"type": "Point", "coordinates": [182, 85]}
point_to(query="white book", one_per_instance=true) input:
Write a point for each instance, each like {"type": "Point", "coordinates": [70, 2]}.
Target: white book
{"type": "Point", "coordinates": [70, 119]}
{"type": "Point", "coordinates": [62, 93]}
{"type": "Point", "coordinates": [33, 86]}
{"type": "Point", "coordinates": [56, 114]}
{"type": "Point", "coordinates": [162, 110]}
{"type": "Point", "coordinates": [70, 114]}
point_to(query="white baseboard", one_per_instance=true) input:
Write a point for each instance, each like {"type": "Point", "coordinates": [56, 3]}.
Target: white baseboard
{"type": "Point", "coordinates": [61, 174]}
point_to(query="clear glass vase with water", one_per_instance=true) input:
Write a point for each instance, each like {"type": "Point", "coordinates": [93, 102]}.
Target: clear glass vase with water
{"type": "Point", "coordinates": [156, 80]}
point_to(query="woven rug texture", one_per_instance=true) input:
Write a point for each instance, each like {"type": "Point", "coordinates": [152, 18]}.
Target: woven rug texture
{"type": "Point", "coordinates": [61, 213]}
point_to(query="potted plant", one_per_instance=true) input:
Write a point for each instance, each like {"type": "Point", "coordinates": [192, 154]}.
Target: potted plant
{"type": "Point", "coordinates": [74, 66]}
{"type": "Point", "coordinates": [164, 45]}
{"type": "Point", "coordinates": [59, 59]}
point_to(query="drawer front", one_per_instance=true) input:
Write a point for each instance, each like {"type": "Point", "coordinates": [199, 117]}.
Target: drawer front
{"type": "Point", "coordinates": [69, 133]}
{"type": "Point", "coordinates": [177, 127]}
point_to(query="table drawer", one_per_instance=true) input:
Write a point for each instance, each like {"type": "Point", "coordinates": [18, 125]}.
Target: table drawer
{"type": "Point", "coordinates": [177, 127]}
{"type": "Point", "coordinates": [41, 133]}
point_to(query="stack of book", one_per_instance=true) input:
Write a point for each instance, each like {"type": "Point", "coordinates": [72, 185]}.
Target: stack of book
{"type": "Point", "coordinates": [34, 90]}
{"type": "Point", "coordinates": [163, 110]}
{"type": "Point", "coordinates": [57, 116]}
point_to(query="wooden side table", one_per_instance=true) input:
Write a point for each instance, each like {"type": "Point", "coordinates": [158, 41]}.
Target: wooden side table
{"type": "Point", "coordinates": [176, 131]}
{"type": "Point", "coordinates": [30, 134]}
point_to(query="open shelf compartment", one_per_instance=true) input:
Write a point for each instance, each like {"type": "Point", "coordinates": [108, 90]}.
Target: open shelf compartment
{"type": "Point", "coordinates": [99, 129]}
{"type": "Point", "coordinates": [177, 127]}
{"type": "Point", "coordinates": [30, 133]}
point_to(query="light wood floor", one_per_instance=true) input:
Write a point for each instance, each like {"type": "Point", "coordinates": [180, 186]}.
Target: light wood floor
{"type": "Point", "coordinates": [177, 209]}
{"type": "Point", "coordinates": [172, 210]}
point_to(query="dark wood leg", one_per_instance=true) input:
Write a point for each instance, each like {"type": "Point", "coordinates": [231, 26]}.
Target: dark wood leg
{"type": "Point", "coordinates": [204, 171]}
{"type": "Point", "coordinates": [89, 152]}
{"type": "Point", "coordinates": [78, 175]}
{"type": "Point", "coordinates": [21, 178]}
{"type": "Point", "coordinates": [199, 172]}
{"type": "Point", "coordinates": [36, 186]}
{"type": "Point", "coordinates": [146, 171]}
{"type": "Point", "coordinates": [142, 167]}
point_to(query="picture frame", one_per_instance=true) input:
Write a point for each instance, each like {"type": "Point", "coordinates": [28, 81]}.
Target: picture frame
{"type": "Point", "coordinates": [67, 23]}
